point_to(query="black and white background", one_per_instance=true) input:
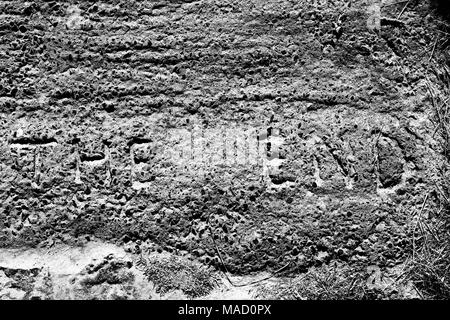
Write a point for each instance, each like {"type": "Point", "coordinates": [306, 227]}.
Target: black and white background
{"type": "Point", "coordinates": [224, 149]}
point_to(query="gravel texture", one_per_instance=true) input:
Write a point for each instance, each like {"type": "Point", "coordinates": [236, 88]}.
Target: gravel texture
{"type": "Point", "coordinates": [249, 135]}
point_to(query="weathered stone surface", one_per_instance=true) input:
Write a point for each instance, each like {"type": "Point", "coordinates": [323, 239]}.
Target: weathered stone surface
{"type": "Point", "coordinates": [100, 103]}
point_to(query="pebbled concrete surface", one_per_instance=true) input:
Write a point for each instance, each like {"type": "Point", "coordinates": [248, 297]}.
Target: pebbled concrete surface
{"type": "Point", "coordinates": [310, 122]}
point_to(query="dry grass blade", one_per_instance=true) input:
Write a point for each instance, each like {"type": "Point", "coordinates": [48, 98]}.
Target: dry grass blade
{"type": "Point", "coordinates": [404, 9]}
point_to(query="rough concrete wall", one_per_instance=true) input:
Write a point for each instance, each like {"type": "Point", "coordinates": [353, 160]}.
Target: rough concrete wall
{"type": "Point", "coordinates": [111, 113]}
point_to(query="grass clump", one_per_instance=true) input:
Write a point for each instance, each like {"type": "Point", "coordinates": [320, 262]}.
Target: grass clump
{"type": "Point", "coordinates": [169, 273]}
{"type": "Point", "coordinates": [329, 282]}
{"type": "Point", "coordinates": [430, 263]}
